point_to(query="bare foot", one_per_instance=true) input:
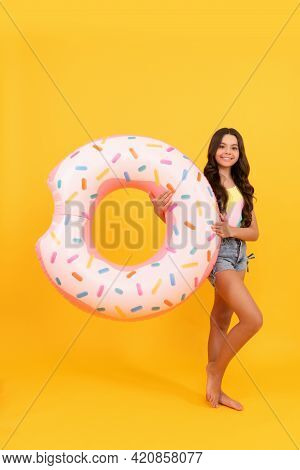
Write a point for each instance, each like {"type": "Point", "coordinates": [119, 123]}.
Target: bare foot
{"type": "Point", "coordinates": [213, 387]}
{"type": "Point", "coordinates": [230, 402]}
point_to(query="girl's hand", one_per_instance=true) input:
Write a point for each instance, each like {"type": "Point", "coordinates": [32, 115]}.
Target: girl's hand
{"type": "Point", "coordinates": [222, 228]}
{"type": "Point", "coordinates": [162, 203]}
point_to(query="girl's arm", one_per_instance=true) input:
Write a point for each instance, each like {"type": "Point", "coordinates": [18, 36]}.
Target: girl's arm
{"type": "Point", "coordinates": [247, 233]}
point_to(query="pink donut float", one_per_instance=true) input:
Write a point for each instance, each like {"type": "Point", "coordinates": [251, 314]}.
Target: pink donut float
{"type": "Point", "coordinates": [186, 258]}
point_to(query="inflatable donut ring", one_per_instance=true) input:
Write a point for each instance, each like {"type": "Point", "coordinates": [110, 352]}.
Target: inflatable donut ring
{"type": "Point", "coordinates": [130, 292]}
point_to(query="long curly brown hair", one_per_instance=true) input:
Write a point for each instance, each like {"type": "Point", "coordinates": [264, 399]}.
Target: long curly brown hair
{"type": "Point", "coordinates": [239, 172]}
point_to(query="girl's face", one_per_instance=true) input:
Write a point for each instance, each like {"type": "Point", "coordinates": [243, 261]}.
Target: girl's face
{"type": "Point", "coordinates": [228, 152]}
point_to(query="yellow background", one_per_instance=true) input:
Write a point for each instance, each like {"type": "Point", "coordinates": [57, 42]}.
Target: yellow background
{"type": "Point", "coordinates": [176, 71]}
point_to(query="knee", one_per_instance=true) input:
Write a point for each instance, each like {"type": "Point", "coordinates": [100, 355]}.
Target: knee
{"type": "Point", "coordinates": [260, 321]}
{"type": "Point", "coordinates": [256, 322]}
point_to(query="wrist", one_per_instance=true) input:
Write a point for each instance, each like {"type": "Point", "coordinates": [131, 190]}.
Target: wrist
{"type": "Point", "coordinates": [233, 232]}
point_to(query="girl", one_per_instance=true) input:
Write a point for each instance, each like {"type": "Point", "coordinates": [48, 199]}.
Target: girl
{"type": "Point", "coordinates": [227, 172]}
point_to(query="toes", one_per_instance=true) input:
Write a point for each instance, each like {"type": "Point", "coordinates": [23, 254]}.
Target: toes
{"type": "Point", "coordinates": [227, 401]}
{"type": "Point", "coordinates": [214, 403]}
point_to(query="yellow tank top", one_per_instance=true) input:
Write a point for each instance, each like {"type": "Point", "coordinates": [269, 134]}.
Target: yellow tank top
{"type": "Point", "coordinates": [234, 207]}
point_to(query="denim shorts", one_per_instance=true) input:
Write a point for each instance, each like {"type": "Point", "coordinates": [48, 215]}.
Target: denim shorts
{"type": "Point", "coordinates": [232, 255]}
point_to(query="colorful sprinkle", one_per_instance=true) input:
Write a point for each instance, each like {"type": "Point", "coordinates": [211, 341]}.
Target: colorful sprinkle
{"type": "Point", "coordinates": [182, 297]}
{"type": "Point", "coordinates": [97, 147]}
{"type": "Point", "coordinates": [118, 290]}
{"type": "Point", "coordinates": [127, 177]}
{"type": "Point", "coordinates": [93, 196]}
{"type": "Point", "coordinates": [58, 281]}
{"type": "Point", "coordinates": [196, 282]}
{"type": "Point", "coordinates": [210, 191]}
{"type": "Point", "coordinates": [120, 312]}
{"type": "Point", "coordinates": [184, 175]}
{"type": "Point", "coordinates": [199, 176]}
{"type": "Point", "coordinates": [103, 173]}
{"type": "Point", "coordinates": [166, 162]}
{"type": "Point", "coordinates": [193, 250]}
{"type": "Point", "coordinates": [83, 183]}
{"type": "Point", "coordinates": [72, 196]}
{"type": "Point", "coordinates": [59, 184]}
{"type": "Point", "coordinates": [172, 206]}
{"type": "Point", "coordinates": [139, 289]}
{"type": "Point", "coordinates": [153, 145]}
{"type": "Point", "coordinates": [129, 275]}
{"type": "Point", "coordinates": [116, 157]}
{"type": "Point", "coordinates": [189, 225]}
{"type": "Point", "coordinates": [158, 283]}
{"type": "Point", "coordinates": [77, 276]}
{"type": "Point", "coordinates": [133, 153]}
{"type": "Point", "coordinates": [169, 149]}
{"type": "Point", "coordinates": [172, 279]}
{"type": "Point", "coordinates": [100, 309]}
{"type": "Point", "coordinates": [69, 260]}
{"type": "Point", "coordinates": [208, 255]}
{"type": "Point", "coordinates": [156, 176]}
{"type": "Point", "coordinates": [210, 237]}
{"type": "Point", "coordinates": [99, 291]}
{"type": "Point", "coordinates": [81, 168]}
{"type": "Point", "coordinates": [135, 309]}
{"type": "Point", "coordinates": [82, 294]}
{"type": "Point", "coordinates": [155, 264]}
{"type": "Point", "coordinates": [53, 256]}
{"type": "Point", "coordinates": [90, 261]}
{"type": "Point", "coordinates": [142, 168]}
{"type": "Point", "coordinates": [103, 270]}
{"type": "Point", "coordinates": [170, 187]}
{"type": "Point", "coordinates": [131, 137]}
{"type": "Point", "coordinates": [76, 240]}
{"type": "Point", "coordinates": [175, 229]}
{"type": "Point", "coordinates": [189, 265]}
{"type": "Point", "coordinates": [155, 308]}
{"type": "Point", "coordinates": [168, 302]}
{"type": "Point", "coordinates": [74, 154]}
{"type": "Point", "coordinates": [185, 196]}
{"type": "Point", "coordinates": [53, 235]}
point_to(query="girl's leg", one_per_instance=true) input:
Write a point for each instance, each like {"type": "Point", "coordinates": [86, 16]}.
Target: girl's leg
{"type": "Point", "coordinates": [232, 289]}
{"type": "Point", "coordinates": [220, 319]}
{"type": "Point", "coordinates": [219, 323]}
